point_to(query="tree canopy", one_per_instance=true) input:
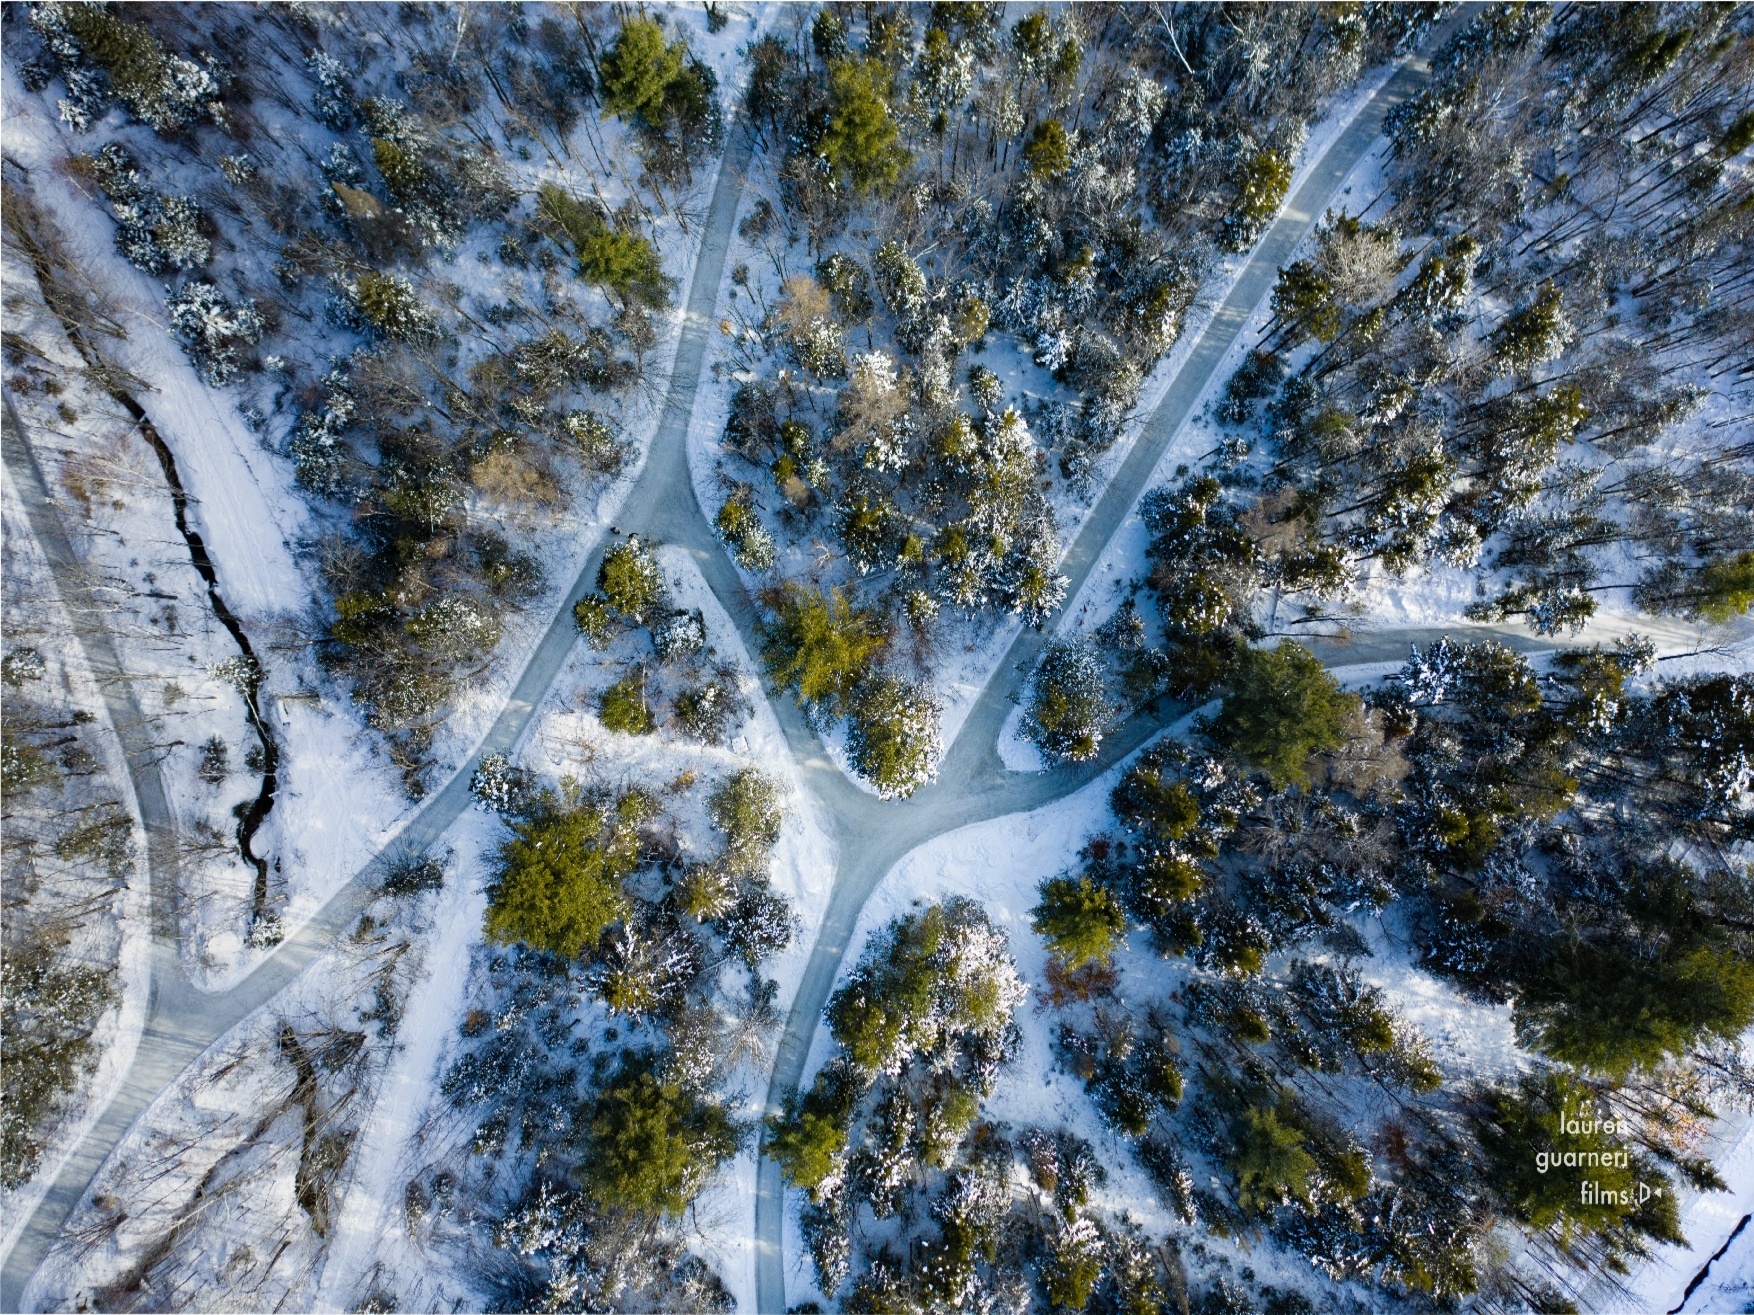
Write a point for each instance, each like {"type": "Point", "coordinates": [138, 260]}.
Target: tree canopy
{"type": "Point", "coordinates": [1282, 708]}
{"type": "Point", "coordinates": [557, 883]}
{"type": "Point", "coordinates": [860, 138]}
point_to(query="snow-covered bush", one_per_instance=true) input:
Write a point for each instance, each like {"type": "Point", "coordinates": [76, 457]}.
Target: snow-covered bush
{"type": "Point", "coordinates": [156, 233]}
{"type": "Point", "coordinates": [502, 788]}
{"type": "Point", "coordinates": [332, 101]}
{"type": "Point", "coordinates": [102, 57]}
{"type": "Point", "coordinates": [214, 330]}
{"type": "Point", "coordinates": [454, 629]}
{"type": "Point", "coordinates": [387, 303]}
{"type": "Point", "coordinates": [681, 635]}
{"type": "Point", "coordinates": [1068, 710]}
{"type": "Point", "coordinates": [742, 529]}
{"type": "Point", "coordinates": [600, 448]}
{"type": "Point", "coordinates": [631, 581]}
{"type": "Point", "coordinates": [893, 737]}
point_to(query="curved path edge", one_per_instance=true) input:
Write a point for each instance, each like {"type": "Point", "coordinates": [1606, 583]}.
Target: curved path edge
{"type": "Point", "coordinates": [182, 1021]}
{"type": "Point", "coordinates": [973, 758]}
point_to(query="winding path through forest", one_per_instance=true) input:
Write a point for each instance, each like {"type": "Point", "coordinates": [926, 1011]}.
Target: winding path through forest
{"type": "Point", "coordinates": [870, 835]}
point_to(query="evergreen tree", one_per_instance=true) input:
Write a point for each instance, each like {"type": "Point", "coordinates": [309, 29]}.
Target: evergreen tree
{"type": "Point", "coordinates": [1555, 1166]}
{"type": "Point", "coordinates": [893, 738]}
{"type": "Point", "coordinates": [1081, 921]}
{"type": "Point", "coordinates": [860, 139]}
{"type": "Point", "coordinates": [819, 646]}
{"type": "Point", "coordinates": [557, 884]}
{"type": "Point", "coordinates": [637, 71]}
{"type": "Point", "coordinates": [652, 1145]}
{"type": "Point", "coordinates": [1281, 709]}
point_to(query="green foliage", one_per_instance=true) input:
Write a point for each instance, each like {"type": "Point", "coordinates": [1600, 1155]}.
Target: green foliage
{"type": "Point", "coordinates": [1266, 178]}
{"type": "Point", "coordinates": [1081, 921]}
{"type": "Point", "coordinates": [1545, 1144]}
{"type": "Point", "coordinates": [1614, 1007]}
{"type": "Point", "coordinates": [557, 884]}
{"type": "Point", "coordinates": [1721, 589]}
{"type": "Point", "coordinates": [163, 90]}
{"type": "Point", "coordinates": [819, 646]}
{"type": "Point", "coordinates": [1271, 1162]}
{"type": "Point", "coordinates": [893, 738]}
{"type": "Point", "coordinates": [638, 69]}
{"type": "Point", "coordinates": [741, 527]}
{"type": "Point", "coordinates": [928, 981]}
{"type": "Point", "coordinates": [1048, 152]}
{"type": "Point", "coordinates": [1281, 709]}
{"type": "Point", "coordinates": [622, 707]}
{"type": "Point", "coordinates": [809, 1140]}
{"type": "Point", "coordinates": [1533, 334]}
{"type": "Point", "coordinates": [23, 766]}
{"type": "Point", "coordinates": [631, 581]}
{"type": "Point", "coordinates": [1069, 710]}
{"type": "Point", "coordinates": [592, 616]}
{"type": "Point", "coordinates": [612, 257]}
{"type": "Point", "coordinates": [746, 808]}
{"type": "Point", "coordinates": [388, 303]}
{"type": "Point", "coordinates": [48, 1008]}
{"type": "Point", "coordinates": [652, 1145]}
{"type": "Point", "coordinates": [1304, 300]}
{"type": "Point", "coordinates": [860, 140]}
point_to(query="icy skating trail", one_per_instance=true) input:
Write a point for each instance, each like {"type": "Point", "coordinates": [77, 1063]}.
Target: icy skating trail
{"type": "Point", "coordinates": [870, 835]}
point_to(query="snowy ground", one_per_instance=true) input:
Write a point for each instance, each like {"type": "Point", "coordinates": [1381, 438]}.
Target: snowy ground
{"type": "Point", "coordinates": [120, 939]}
{"type": "Point", "coordinates": [1001, 863]}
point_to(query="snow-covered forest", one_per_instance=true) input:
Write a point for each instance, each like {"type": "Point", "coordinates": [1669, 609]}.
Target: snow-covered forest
{"type": "Point", "coordinates": [877, 657]}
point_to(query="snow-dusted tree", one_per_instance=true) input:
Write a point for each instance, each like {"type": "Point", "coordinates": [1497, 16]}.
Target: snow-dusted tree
{"type": "Point", "coordinates": [214, 331]}
{"type": "Point", "coordinates": [102, 56]}
{"type": "Point", "coordinates": [741, 527]}
{"type": "Point", "coordinates": [389, 304]}
{"type": "Point", "coordinates": [893, 737]}
{"type": "Point", "coordinates": [1069, 710]}
{"type": "Point", "coordinates": [631, 580]}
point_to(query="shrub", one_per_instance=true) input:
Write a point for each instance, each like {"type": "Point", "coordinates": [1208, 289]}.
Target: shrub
{"type": "Point", "coordinates": [622, 707]}
{"type": "Point", "coordinates": [1544, 1139]}
{"type": "Point", "coordinates": [624, 262]}
{"type": "Point", "coordinates": [709, 711]}
{"type": "Point", "coordinates": [746, 807]}
{"type": "Point", "coordinates": [387, 302]}
{"type": "Point", "coordinates": [681, 635]}
{"type": "Point", "coordinates": [893, 737]}
{"type": "Point", "coordinates": [557, 885]}
{"type": "Point", "coordinates": [630, 580]}
{"type": "Point", "coordinates": [592, 617]}
{"type": "Point", "coordinates": [48, 1008]}
{"type": "Point", "coordinates": [164, 91]}
{"type": "Point", "coordinates": [1068, 708]}
{"type": "Point", "coordinates": [600, 449]}
{"type": "Point", "coordinates": [741, 527]}
{"type": "Point", "coordinates": [809, 1140]}
{"type": "Point", "coordinates": [213, 330]}
{"type": "Point", "coordinates": [928, 981]}
{"type": "Point", "coordinates": [859, 139]}
{"type": "Point", "coordinates": [1271, 1164]}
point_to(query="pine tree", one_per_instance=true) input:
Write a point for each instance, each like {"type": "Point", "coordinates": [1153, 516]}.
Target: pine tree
{"type": "Point", "coordinates": [1282, 708]}
{"type": "Point", "coordinates": [819, 646]}
{"type": "Point", "coordinates": [652, 1145]}
{"type": "Point", "coordinates": [557, 883]}
{"type": "Point", "coordinates": [1081, 921]}
{"type": "Point", "coordinates": [860, 139]}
